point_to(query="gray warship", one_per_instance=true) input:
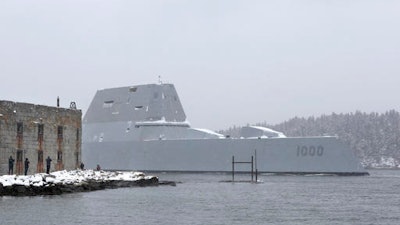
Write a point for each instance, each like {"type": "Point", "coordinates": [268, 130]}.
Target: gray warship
{"type": "Point", "coordinates": [144, 127]}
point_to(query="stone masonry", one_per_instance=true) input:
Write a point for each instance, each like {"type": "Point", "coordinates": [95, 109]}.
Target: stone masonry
{"type": "Point", "coordinates": [36, 132]}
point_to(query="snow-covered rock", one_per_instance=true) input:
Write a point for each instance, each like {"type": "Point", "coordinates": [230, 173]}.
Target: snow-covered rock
{"type": "Point", "coordinates": [71, 181]}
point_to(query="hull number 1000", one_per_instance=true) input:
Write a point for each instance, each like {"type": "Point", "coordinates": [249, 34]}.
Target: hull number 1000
{"type": "Point", "coordinates": [310, 150]}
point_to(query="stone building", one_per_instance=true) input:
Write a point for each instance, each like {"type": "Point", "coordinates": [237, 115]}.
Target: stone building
{"type": "Point", "coordinates": [36, 132]}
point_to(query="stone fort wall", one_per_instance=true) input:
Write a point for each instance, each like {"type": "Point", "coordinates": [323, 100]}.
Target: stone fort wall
{"type": "Point", "coordinates": [37, 132]}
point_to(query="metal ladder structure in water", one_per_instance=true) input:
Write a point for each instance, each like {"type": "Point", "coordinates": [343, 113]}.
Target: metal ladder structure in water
{"type": "Point", "coordinates": [253, 163]}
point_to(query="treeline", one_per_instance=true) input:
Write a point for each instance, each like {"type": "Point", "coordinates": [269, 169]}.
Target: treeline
{"type": "Point", "coordinates": [374, 137]}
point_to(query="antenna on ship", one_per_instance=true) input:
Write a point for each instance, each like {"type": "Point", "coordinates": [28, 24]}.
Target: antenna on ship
{"type": "Point", "coordinates": [159, 79]}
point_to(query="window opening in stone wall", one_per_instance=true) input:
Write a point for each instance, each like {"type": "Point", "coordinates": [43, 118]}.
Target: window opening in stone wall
{"type": "Point", "coordinates": [40, 156]}
{"type": "Point", "coordinates": [39, 167]}
{"type": "Point", "coordinates": [20, 128]}
{"type": "Point", "coordinates": [77, 134]}
{"type": "Point", "coordinates": [77, 158]}
{"type": "Point", "coordinates": [60, 132]}
{"type": "Point", "coordinates": [59, 156]}
{"type": "Point", "coordinates": [133, 89]}
{"type": "Point", "coordinates": [19, 155]}
{"type": "Point", "coordinates": [19, 164]}
{"type": "Point", "coordinates": [40, 131]}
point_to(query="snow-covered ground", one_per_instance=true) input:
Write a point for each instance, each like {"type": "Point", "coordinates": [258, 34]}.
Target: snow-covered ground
{"type": "Point", "coordinates": [70, 177]}
{"type": "Point", "coordinates": [384, 162]}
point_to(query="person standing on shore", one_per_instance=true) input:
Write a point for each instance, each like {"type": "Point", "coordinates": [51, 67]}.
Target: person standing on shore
{"type": "Point", "coordinates": [10, 165]}
{"type": "Point", "coordinates": [26, 166]}
{"type": "Point", "coordinates": [48, 163]}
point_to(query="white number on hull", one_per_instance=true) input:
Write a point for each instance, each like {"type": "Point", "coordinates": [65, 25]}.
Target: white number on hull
{"type": "Point", "coordinates": [310, 150]}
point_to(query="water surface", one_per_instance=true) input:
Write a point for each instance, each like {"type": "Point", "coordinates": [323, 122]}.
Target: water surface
{"type": "Point", "coordinates": [203, 199]}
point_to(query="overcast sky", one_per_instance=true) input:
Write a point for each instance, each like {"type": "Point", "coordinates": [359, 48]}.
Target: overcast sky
{"type": "Point", "coordinates": [232, 62]}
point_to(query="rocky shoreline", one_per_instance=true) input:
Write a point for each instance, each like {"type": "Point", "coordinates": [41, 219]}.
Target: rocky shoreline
{"type": "Point", "coordinates": [61, 182]}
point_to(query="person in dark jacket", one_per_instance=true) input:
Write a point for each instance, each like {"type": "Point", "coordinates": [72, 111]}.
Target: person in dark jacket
{"type": "Point", "coordinates": [26, 166]}
{"type": "Point", "coordinates": [48, 163]}
{"type": "Point", "coordinates": [10, 165]}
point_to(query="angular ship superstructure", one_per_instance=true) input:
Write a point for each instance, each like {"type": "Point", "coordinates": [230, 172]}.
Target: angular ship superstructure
{"type": "Point", "coordinates": [144, 128]}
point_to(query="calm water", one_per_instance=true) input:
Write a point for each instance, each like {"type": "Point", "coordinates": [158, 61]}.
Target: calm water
{"type": "Point", "coordinates": [203, 199]}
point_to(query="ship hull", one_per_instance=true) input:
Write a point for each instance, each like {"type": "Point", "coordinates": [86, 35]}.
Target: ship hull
{"type": "Point", "coordinates": [310, 155]}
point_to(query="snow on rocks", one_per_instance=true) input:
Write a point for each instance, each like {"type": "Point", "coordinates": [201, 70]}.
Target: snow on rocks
{"type": "Point", "coordinates": [71, 181]}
